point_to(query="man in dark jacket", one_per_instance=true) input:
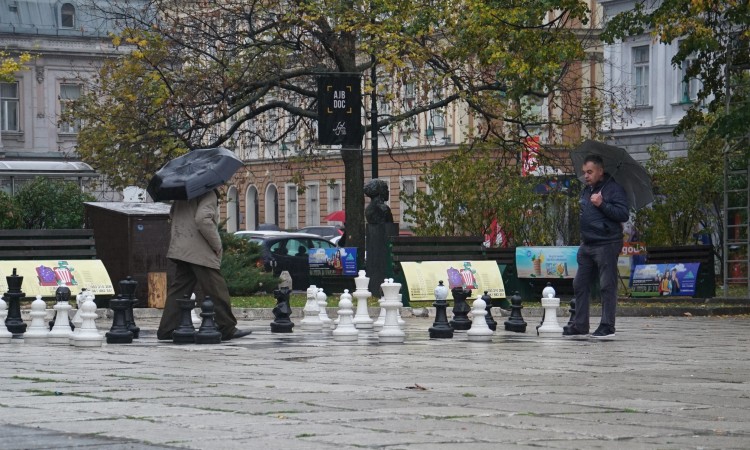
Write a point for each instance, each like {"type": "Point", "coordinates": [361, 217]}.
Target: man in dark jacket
{"type": "Point", "coordinates": [604, 207]}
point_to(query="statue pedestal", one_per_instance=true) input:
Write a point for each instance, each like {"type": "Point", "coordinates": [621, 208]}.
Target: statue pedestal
{"type": "Point", "coordinates": [377, 253]}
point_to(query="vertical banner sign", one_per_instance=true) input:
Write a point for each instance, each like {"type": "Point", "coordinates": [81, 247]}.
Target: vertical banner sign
{"type": "Point", "coordinates": [339, 110]}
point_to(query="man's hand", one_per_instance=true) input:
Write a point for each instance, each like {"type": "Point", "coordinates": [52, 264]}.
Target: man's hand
{"type": "Point", "coordinates": [596, 199]}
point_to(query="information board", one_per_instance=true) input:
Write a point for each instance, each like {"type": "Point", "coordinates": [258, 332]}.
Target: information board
{"type": "Point", "coordinates": [674, 279]}
{"type": "Point", "coordinates": [479, 276]}
{"type": "Point", "coordinates": [43, 277]}
{"type": "Point", "coordinates": [333, 261]}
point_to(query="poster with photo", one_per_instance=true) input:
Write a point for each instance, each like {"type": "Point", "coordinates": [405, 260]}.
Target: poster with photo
{"type": "Point", "coordinates": [664, 280]}
{"type": "Point", "coordinates": [333, 261]}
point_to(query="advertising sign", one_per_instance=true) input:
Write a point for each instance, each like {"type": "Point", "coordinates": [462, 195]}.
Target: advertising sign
{"type": "Point", "coordinates": [654, 280]}
{"type": "Point", "coordinates": [44, 277]}
{"type": "Point", "coordinates": [546, 262]}
{"type": "Point", "coordinates": [339, 110]}
{"type": "Point", "coordinates": [333, 261]}
{"type": "Point", "coordinates": [479, 276]}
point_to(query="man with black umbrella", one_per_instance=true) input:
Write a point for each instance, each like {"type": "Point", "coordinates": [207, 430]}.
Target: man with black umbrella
{"type": "Point", "coordinates": [604, 208]}
{"type": "Point", "coordinates": [195, 247]}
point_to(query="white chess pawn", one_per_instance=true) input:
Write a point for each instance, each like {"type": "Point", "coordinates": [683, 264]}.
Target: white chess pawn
{"type": "Point", "coordinates": [322, 300]}
{"type": "Point", "coordinates": [38, 330]}
{"type": "Point", "coordinates": [391, 332]}
{"type": "Point", "coordinates": [401, 322]}
{"type": "Point", "coordinates": [311, 311]}
{"type": "Point", "coordinates": [550, 327]}
{"type": "Point", "coordinates": [479, 331]}
{"type": "Point", "coordinates": [5, 335]}
{"type": "Point", "coordinates": [194, 315]}
{"type": "Point", "coordinates": [345, 331]}
{"type": "Point", "coordinates": [61, 332]}
{"type": "Point", "coordinates": [88, 336]}
{"type": "Point", "coordinates": [80, 298]}
{"type": "Point", "coordinates": [378, 324]}
{"type": "Point", "coordinates": [362, 318]}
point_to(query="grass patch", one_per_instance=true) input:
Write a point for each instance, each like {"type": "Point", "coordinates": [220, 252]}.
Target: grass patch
{"type": "Point", "coordinates": [38, 380]}
{"type": "Point", "coordinates": [41, 392]}
{"type": "Point", "coordinates": [468, 394]}
{"type": "Point", "coordinates": [305, 435]}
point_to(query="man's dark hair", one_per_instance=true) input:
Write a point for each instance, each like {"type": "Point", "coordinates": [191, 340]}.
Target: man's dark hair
{"type": "Point", "coordinates": [596, 159]}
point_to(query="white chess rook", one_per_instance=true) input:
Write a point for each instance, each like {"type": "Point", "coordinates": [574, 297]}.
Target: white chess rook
{"type": "Point", "coordinates": [5, 335]}
{"type": "Point", "coordinates": [88, 336]}
{"type": "Point", "coordinates": [550, 303]}
{"type": "Point", "coordinates": [391, 332]}
{"type": "Point", "coordinates": [345, 330]}
{"type": "Point", "coordinates": [362, 318]}
{"type": "Point", "coordinates": [38, 329]}
{"type": "Point", "coordinates": [311, 312]}
{"type": "Point", "coordinates": [479, 331]}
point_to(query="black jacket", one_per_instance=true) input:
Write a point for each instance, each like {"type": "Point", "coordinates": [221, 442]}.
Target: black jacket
{"type": "Point", "coordinates": [603, 225]}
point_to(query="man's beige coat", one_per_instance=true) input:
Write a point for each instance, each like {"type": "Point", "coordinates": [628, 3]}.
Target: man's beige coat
{"type": "Point", "coordinates": [195, 235]}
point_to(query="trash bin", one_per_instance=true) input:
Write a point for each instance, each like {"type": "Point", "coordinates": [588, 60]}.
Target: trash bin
{"type": "Point", "coordinates": [132, 239]}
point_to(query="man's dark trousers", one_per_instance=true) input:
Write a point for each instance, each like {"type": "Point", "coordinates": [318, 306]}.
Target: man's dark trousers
{"type": "Point", "coordinates": [209, 282]}
{"type": "Point", "coordinates": [596, 260]}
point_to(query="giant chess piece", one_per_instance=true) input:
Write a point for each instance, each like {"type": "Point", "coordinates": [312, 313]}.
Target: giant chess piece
{"type": "Point", "coordinates": [119, 332]}
{"type": "Point", "coordinates": [362, 318]}
{"type": "Point", "coordinates": [194, 315]}
{"type": "Point", "coordinates": [572, 311]}
{"type": "Point", "coordinates": [37, 331]}
{"type": "Point", "coordinates": [322, 300]}
{"type": "Point", "coordinates": [282, 311]}
{"type": "Point", "coordinates": [345, 331]}
{"type": "Point", "coordinates": [479, 331]}
{"type": "Point", "coordinates": [461, 309]}
{"type": "Point", "coordinates": [77, 320]}
{"type": "Point", "coordinates": [441, 329]}
{"type": "Point", "coordinates": [391, 332]}
{"type": "Point", "coordinates": [86, 335]}
{"type": "Point", "coordinates": [127, 289]}
{"type": "Point", "coordinates": [5, 335]}
{"type": "Point", "coordinates": [515, 322]}
{"type": "Point", "coordinates": [61, 331]}
{"type": "Point", "coordinates": [311, 311]}
{"type": "Point", "coordinates": [208, 333]}
{"type": "Point", "coordinates": [185, 332]}
{"type": "Point", "coordinates": [14, 322]}
{"type": "Point", "coordinates": [550, 303]}
{"type": "Point", "coordinates": [490, 320]}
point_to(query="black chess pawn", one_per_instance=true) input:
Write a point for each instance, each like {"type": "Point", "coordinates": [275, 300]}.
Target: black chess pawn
{"type": "Point", "coordinates": [127, 289]}
{"type": "Point", "coordinates": [488, 317]}
{"type": "Point", "coordinates": [461, 309]}
{"type": "Point", "coordinates": [515, 322]}
{"type": "Point", "coordinates": [572, 311]}
{"type": "Point", "coordinates": [282, 311]}
{"type": "Point", "coordinates": [119, 333]}
{"type": "Point", "coordinates": [185, 333]}
{"type": "Point", "coordinates": [441, 329]}
{"type": "Point", "coordinates": [13, 321]}
{"type": "Point", "coordinates": [208, 333]}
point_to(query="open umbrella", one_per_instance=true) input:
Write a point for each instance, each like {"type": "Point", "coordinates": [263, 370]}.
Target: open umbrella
{"type": "Point", "coordinates": [618, 163]}
{"type": "Point", "coordinates": [336, 216]}
{"type": "Point", "coordinates": [193, 174]}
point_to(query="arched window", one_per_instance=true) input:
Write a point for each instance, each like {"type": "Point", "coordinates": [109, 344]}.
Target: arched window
{"type": "Point", "coordinates": [67, 15]}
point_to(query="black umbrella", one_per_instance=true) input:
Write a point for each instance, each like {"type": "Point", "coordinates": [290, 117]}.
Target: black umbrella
{"type": "Point", "coordinates": [193, 174]}
{"type": "Point", "coordinates": [628, 172]}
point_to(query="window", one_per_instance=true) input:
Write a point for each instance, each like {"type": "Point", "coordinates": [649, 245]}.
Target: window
{"type": "Point", "coordinates": [67, 15]}
{"type": "Point", "coordinates": [9, 106]}
{"type": "Point", "coordinates": [312, 211]}
{"type": "Point", "coordinates": [438, 119]}
{"type": "Point", "coordinates": [641, 75]}
{"type": "Point", "coordinates": [334, 197]}
{"type": "Point", "coordinates": [291, 206]}
{"type": "Point", "coordinates": [408, 188]}
{"type": "Point", "coordinates": [69, 93]}
{"type": "Point", "coordinates": [689, 86]}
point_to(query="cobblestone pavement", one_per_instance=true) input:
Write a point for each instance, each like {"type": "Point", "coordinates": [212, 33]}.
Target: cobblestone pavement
{"type": "Point", "coordinates": [667, 383]}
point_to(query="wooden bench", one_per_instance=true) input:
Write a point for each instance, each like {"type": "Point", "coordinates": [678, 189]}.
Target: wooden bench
{"type": "Point", "coordinates": [705, 279]}
{"type": "Point", "coordinates": [47, 244]}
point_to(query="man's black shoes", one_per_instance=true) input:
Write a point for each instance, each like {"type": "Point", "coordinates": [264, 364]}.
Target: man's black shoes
{"type": "Point", "coordinates": [570, 331]}
{"type": "Point", "coordinates": [604, 331]}
{"type": "Point", "coordinates": [237, 334]}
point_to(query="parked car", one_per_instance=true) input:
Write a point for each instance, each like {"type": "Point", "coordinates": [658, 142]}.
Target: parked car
{"type": "Point", "coordinates": [287, 251]}
{"type": "Point", "coordinates": [325, 231]}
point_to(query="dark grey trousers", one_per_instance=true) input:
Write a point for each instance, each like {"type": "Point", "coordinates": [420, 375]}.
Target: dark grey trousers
{"type": "Point", "coordinates": [596, 261]}
{"type": "Point", "coordinates": [191, 278]}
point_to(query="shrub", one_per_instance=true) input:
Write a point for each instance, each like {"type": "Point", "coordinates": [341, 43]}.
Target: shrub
{"type": "Point", "coordinates": [51, 204]}
{"type": "Point", "coordinates": [10, 217]}
{"type": "Point", "coordinates": [239, 267]}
